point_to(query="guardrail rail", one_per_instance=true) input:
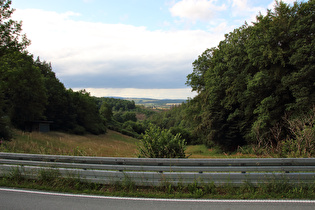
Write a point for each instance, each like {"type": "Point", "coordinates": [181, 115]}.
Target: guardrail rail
{"type": "Point", "coordinates": [156, 171]}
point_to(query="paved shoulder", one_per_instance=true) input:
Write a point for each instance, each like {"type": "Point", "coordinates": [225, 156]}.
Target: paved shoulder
{"type": "Point", "coordinates": [32, 200]}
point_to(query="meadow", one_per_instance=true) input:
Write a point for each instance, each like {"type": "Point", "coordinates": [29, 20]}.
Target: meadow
{"type": "Point", "coordinates": [111, 144]}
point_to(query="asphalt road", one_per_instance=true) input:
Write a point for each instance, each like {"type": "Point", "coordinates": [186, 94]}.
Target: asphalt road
{"type": "Point", "coordinates": [16, 199]}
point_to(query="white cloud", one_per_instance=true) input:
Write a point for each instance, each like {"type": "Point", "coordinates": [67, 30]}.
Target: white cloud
{"type": "Point", "coordinates": [196, 10]}
{"type": "Point", "coordinates": [242, 8]}
{"type": "Point", "coordinates": [79, 47]}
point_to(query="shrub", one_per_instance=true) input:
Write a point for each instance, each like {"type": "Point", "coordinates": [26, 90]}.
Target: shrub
{"type": "Point", "coordinates": [301, 143]}
{"type": "Point", "coordinates": [161, 143]}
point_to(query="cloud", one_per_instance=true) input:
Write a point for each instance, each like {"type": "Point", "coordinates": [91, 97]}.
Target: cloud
{"type": "Point", "coordinates": [98, 54]}
{"type": "Point", "coordinates": [196, 10]}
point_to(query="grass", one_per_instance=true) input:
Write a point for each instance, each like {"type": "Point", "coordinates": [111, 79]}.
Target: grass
{"type": "Point", "coordinates": [201, 151]}
{"type": "Point", "coordinates": [111, 144]}
{"type": "Point", "coordinates": [49, 180]}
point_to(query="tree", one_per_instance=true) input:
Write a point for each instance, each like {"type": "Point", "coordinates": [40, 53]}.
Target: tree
{"type": "Point", "coordinates": [56, 109]}
{"type": "Point", "coordinates": [255, 76]}
{"type": "Point", "coordinates": [5, 131]}
{"type": "Point", "coordinates": [30, 91]}
{"type": "Point", "coordinates": [11, 38]}
{"type": "Point", "coordinates": [20, 81]}
{"type": "Point", "coordinates": [106, 111]}
{"type": "Point", "coordinates": [85, 113]}
{"type": "Point", "coordinates": [24, 88]}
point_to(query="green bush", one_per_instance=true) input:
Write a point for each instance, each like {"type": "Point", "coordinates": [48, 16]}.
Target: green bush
{"type": "Point", "coordinates": [161, 143]}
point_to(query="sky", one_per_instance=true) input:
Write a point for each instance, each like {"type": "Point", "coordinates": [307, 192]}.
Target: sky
{"type": "Point", "coordinates": [130, 48]}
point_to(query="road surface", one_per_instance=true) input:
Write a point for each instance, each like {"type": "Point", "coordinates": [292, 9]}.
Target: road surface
{"type": "Point", "coordinates": [16, 199]}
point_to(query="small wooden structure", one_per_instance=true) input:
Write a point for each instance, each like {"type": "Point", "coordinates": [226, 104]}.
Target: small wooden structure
{"type": "Point", "coordinates": [38, 126]}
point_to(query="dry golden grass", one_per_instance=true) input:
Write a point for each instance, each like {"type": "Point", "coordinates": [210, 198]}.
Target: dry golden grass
{"type": "Point", "coordinates": [111, 144]}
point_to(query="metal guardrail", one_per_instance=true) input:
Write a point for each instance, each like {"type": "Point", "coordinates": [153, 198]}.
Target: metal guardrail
{"type": "Point", "coordinates": [158, 171]}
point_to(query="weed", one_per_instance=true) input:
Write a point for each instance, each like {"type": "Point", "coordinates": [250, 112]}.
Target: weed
{"type": "Point", "coordinates": [16, 174]}
{"type": "Point", "coordinates": [272, 190]}
{"type": "Point", "coordinates": [195, 190]}
{"type": "Point", "coordinates": [49, 175]}
{"type": "Point", "coordinates": [210, 188]}
{"type": "Point", "coordinates": [128, 184]}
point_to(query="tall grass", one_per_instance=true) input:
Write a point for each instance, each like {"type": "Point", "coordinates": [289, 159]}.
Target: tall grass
{"type": "Point", "coordinates": [111, 144]}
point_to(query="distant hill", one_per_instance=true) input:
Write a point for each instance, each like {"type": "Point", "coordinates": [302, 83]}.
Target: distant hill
{"type": "Point", "coordinates": [155, 103]}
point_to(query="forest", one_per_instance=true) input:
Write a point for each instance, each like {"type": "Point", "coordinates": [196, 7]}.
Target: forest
{"type": "Point", "coordinates": [256, 88]}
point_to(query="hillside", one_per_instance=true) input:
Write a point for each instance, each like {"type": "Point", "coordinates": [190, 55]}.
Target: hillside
{"type": "Point", "coordinates": [111, 144]}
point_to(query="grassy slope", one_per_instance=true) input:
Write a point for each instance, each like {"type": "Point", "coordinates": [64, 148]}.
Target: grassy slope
{"type": "Point", "coordinates": [111, 144]}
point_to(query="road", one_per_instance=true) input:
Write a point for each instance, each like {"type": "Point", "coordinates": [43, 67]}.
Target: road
{"type": "Point", "coordinates": [16, 199]}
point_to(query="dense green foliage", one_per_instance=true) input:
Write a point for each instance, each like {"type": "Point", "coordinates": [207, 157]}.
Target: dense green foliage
{"type": "Point", "coordinates": [255, 77]}
{"type": "Point", "coordinates": [12, 44]}
{"type": "Point", "coordinates": [121, 115]}
{"type": "Point", "coordinates": [177, 121]}
{"type": "Point", "coordinates": [118, 104]}
{"type": "Point", "coordinates": [161, 143]}
{"type": "Point", "coordinates": [30, 91]}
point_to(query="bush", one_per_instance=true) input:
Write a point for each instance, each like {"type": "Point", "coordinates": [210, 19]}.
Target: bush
{"type": "Point", "coordinates": [161, 143]}
{"type": "Point", "coordinates": [301, 143]}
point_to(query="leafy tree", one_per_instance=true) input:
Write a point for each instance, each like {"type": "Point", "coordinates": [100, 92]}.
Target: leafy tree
{"type": "Point", "coordinates": [161, 143]}
{"type": "Point", "coordinates": [129, 116]}
{"type": "Point", "coordinates": [11, 40]}
{"type": "Point", "coordinates": [24, 88]}
{"type": "Point", "coordinates": [29, 90]}
{"type": "Point", "coordinates": [132, 126]}
{"type": "Point", "coordinates": [85, 112]}
{"type": "Point", "coordinates": [56, 109]}
{"type": "Point", "coordinates": [106, 111]}
{"type": "Point", "coordinates": [255, 76]}
{"type": "Point", "coordinates": [118, 104]}
{"type": "Point", "coordinates": [5, 131]}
